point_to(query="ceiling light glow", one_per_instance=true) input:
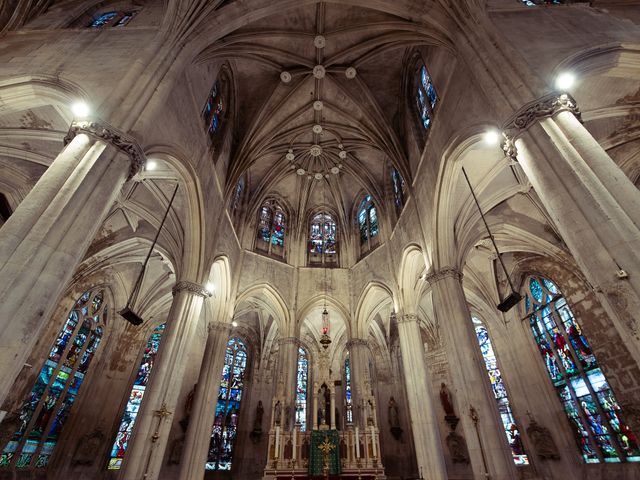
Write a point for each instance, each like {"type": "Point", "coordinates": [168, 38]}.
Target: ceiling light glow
{"type": "Point", "coordinates": [80, 109]}
{"type": "Point", "coordinates": [565, 81]}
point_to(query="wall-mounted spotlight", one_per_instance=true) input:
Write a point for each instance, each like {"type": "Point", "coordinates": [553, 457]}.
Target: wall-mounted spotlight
{"type": "Point", "coordinates": [565, 81]}
{"type": "Point", "coordinates": [80, 109]}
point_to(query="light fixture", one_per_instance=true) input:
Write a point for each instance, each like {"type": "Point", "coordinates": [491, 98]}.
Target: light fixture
{"type": "Point", "coordinates": [565, 81]}
{"type": "Point", "coordinates": [491, 137]}
{"type": "Point", "coordinates": [234, 324]}
{"type": "Point", "coordinates": [80, 109]}
{"type": "Point", "coordinates": [210, 287]}
{"type": "Point", "coordinates": [151, 165]}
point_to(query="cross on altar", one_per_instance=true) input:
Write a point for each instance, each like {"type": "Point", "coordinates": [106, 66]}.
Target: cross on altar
{"type": "Point", "coordinates": [326, 447]}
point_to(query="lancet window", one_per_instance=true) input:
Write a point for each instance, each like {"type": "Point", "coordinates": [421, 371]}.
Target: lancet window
{"type": "Point", "coordinates": [347, 391]}
{"type": "Point", "coordinates": [368, 225]}
{"type": "Point", "coordinates": [500, 392]}
{"type": "Point", "coordinates": [271, 229]}
{"type": "Point", "coordinates": [112, 19]}
{"type": "Point", "coordinates": [213, 111]}
{"type": "Point", "coordinates": [135, 399]}
{"type": "Point", "coordinates": [236, 199]}
{"type": "Point", "coordinates": [397, 182]}
{"type": "Point", "coordinates": [426, 97]}
{"type": "Point", "coordinates": [47, 407]}
{"type": "Point", "coordinates": [585, 394]}
{"type": "Point", "coordinates": [323, 243]}
{"type": "Point", "coordinates": [302, 384]}
{"type": "Point", "coordinates": [225, 425]}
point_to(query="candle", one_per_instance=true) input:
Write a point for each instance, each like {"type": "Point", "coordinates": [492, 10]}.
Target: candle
{"type": "Point", "coordinates": [373, 440]}
{"type": "Point", "coordinates": [357, 443]}
{"type": "Point", "coordinates": [295, 441]}
{"type": "Point", "coordinates": [277, 442]}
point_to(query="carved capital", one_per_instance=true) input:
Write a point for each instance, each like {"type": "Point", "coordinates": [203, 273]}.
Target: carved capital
{"type": "Point", "coordinates": [289, 341]}
{"type": "Point", "coordinates": [219, 327]}
{"type": "Point", "coordinates": [193, 288]}
{"type": "Point", "coordinates": [444, 272]}
{"type": "Point", "coordinates": [111, 135]}
{"type": "Point", "coordinates": [357, 342]}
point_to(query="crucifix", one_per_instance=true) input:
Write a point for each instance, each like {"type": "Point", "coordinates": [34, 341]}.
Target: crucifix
{"type": "Point", "coordinates": [161, 414]}
{"type": "Point", "coordinates": [326, 447]}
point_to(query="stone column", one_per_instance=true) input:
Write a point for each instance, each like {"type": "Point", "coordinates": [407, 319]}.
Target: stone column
{"type": "Point", "coordinates": [422, 412]}
{"type": "Point", "coordinates": [315, 406]}
{"type": "Point", "coordinates": [332, 411]}
{"type": "Point", "coordinates": [151, 431]}
{"type": "Point", "coordinates": [287, 371]}
{"type": "Point", "coordinates": [200, 426]}
{"type": "Point", "coordinates": [47, 236]}
{"type": "Point", "coordinates": [359, 359]}
{"type": "Point", "coordinates": [595, 207]}
{"type": "Point", "coordinates": [488, 449]}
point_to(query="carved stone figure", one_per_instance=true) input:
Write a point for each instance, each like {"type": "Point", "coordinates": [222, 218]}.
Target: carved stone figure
{"type": "Point", "coordinates": [277, 413]}
{"type": "Point", "coordinates": [88, 446]}
{"type": "Point", "coordinates": [287, 417]}
{"type": "Point", "coordinates": [457, 448]}
{"type": "Point", "coordinates": [370, 416]}
{"type": "Point", "coordinates": [445, 400]}
{"type": "Point", "coordinates": [543, 442]}
{"type": "Point", "coordinates": [176, 451]}
{"type": "Point", "coordinates": [394, 420]}
{"type": "Point", "coordinates": [257, 423]}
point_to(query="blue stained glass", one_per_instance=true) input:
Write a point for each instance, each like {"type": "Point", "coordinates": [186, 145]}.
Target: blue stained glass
{"type": "Point", "coordinates": [398, 189]}
{"type": "Point", "coordinates": [224, 431]}
{"type": "Point", "coordinates": [348, 393]}
{"type": "Point", "coordinates": [426, 98]}
{"type": "Point", "coordinates": [500, 392]}
{"type": "Point", "coordinates": [302, 379]}
{"type": "Point", "coordinates": [323, 235]}
{"type": "Point", "coordinates": [598, 414]}
{"type": "Point", "coordinates": [128, 419]}
{"type": "Point", "coordinates": [367, 220]}
{"type": "Point", "coordinates": [213, 110]}
{"type": "Point", "coordinates": [103, 19]}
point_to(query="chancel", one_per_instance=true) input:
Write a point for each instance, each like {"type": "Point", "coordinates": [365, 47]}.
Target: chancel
{"type": "Point", "coordinates": [319, 240]}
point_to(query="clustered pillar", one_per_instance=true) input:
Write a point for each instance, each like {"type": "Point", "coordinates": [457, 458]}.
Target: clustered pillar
{"type": "Point", "coordinates": [45, 239]}
{"type": "Point", "coordinates": [423, 415]}
{"type": "Point", "coordinates": [153, 423]}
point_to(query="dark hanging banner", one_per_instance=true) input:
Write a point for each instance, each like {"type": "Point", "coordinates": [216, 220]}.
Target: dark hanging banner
{"type": "Point", "coordinates": [324, 441]}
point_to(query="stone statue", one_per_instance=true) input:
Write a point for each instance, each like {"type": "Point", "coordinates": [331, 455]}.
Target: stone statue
{"type": "Point", "coordinates": [287, 417]}
{"type": "Point", "coordinates": [445, 400]}
{"type": "Point", "coordinates": [369, 412]}
{"type": "Point", "coordinates": [277, 413]}
{"type": "Point", "coordinates": [176, 451]}
{"type": "Point", "coordinates": [257, 423]}
{"type": "Point", "coordinates": [394, 420]}
{"type": "Point", "coordinates": [87, 449]}
{"type": "Point", "coordinates": [457, 448]}
{"type": "Point", "coordinates": [543, 442]}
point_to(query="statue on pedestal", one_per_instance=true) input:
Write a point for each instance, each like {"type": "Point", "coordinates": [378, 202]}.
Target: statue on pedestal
{"type": "Point", "coordinates": [256, 433]}
{"type": "Point", "coordinates": [394, 419]}
{"type": "Point", "coordinates": [277, 413]}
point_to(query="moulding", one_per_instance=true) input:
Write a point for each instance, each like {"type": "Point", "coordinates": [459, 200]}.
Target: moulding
{"type": "Point", "coordinates": [444, 272]}
{"type": "Point", "coordinates": [191, 287]}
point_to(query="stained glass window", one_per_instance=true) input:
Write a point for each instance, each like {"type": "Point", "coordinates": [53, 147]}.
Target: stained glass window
{"type": "Point", "coordinates": [302, 381]}
{"type": "Point", "coordinates": [271, 229]}
{"type": "Point", "coordinates": [237, 194]}
{"type": "Point", "coordinates": [426, 97]}
{"type": "Point", "coordinates": [225, 425]}
{"type": "Point", "coordinates": [500, 392]}
{"type": "Point", "coordinates": [47, 407]}
{"type": "Point", "coordinates": [367, 224]}
{"type": "Point", "coordinates": [135, 399]}
{"type": "Point", "coordinates": [112, 19]}
{"type": "Point", "coordinates": [347, 391]}
{"type": "Point", "coordinates": [533, 3]}
{"type": "Point", "coordinates": [398, 189]}
{"type": "Point", "coordinates": [323, 239]}
{"type": "Point", "coordinates": [584, 392]}
{"type": "Point", "coordinates": [213, 111]}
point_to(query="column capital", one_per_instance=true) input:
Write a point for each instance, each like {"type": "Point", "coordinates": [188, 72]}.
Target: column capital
{"type": "Point", "coordinates": [546, 106]}
{"type": "Point", "coordinates": [357, 342]}
{"type": "Point", "coordinates": [407, 318]}
{"type": "Point", "coordinates": [191, 287]}
{"type": "Point", "coordinates": [444, 272]}
{"type": "Point", "coordinates": [219, 327]}
{"type": "Point", "coordinates": [103, 131]}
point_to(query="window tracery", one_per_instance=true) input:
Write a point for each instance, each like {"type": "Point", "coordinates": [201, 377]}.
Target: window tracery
{"type": "Point", "coordinates": [368, 225]}
{"type": "Point", "coordinates": [47, 407]}
{"type": "Point", "coordinates": [271, 229]}
{"type": "Point", "coordinates": [426, 97]}
{"type": "Point", "coordinates": [225, 425]}
{"type": "Point", "coordinates": [121, 442]}
{"type": "Point", "coordinates": [500, 392]}
{"type": "Point", "coordinates": [323, 239]}
{"type": "Point", "coordinates": [582, 387]}
{"type": "Point", "coordinates": [302, 386]}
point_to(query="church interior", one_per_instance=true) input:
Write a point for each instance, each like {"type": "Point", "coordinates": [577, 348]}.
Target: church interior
{"type": "Point", "coordinates": [315, 239]}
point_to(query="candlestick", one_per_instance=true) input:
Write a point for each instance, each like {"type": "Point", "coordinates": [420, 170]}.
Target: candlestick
{"type": "Point", "coordinates": [277, 442]}
{"type": "Point", "coordinates": [295, 441]}
{"type": "Point", "coordinates": [357, 443]}
{"type": "Point", "coordinates": [373, 440]}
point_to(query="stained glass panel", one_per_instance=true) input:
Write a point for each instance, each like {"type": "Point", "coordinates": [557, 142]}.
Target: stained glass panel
{"type": "Point", "coordinates": [500, 392]}
{"type": "Point", "coordinates": [347, 389]}
{"type": "Point", "coordinates": [48, 405]}
{"type": "Point", "coordinates": [302, 380]}
{"type": "Point", "coordinates": [323, 235]}
{"type": "Point", "coordinates": [103, 19]}
{"type": "Point", "coordinates": [398, 189]}
{"type": "Point", "coordinates": [135, 398]}
{"type": "Point", "coordinates": [583, 390]}
{"type": "Point", "coordinates": [225, 424]}
{"type": "Point", "coordinates": [426, 98]}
